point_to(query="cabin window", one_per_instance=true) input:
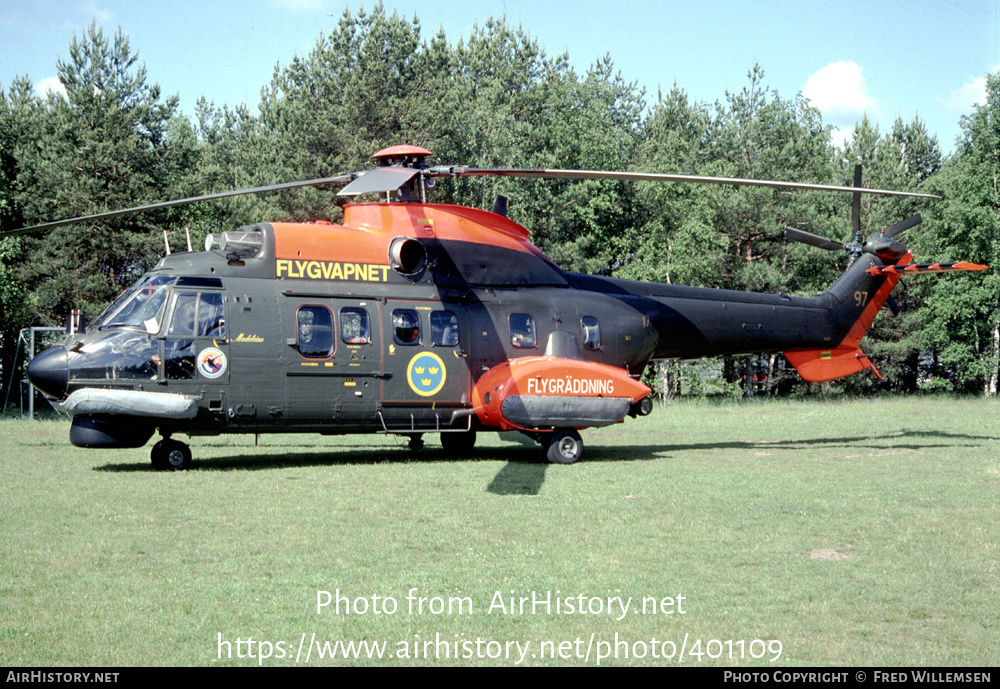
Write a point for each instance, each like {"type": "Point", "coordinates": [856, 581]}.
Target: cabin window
{"type": "Point", "coordinates": [355, 326]}
{"type": "Point", "coordinates": [406, 327]}
{"type": "Point", "coordinates": [591, 333]}
{"type": "Point", "coordinates": [444, 329]}
{"type": "Point", "coordinates": [522, 331]}
{"type": "Point", "coordinates": [314, 325]}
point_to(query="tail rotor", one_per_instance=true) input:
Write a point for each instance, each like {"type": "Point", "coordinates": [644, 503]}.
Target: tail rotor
{"type": "Point", "coordinates": [880, 244]}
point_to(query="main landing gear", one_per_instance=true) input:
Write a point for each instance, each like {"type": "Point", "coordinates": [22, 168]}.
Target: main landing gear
{"type": "Point", "coordinates": [170, 455]}
{"type": "Point", "coordinates": [561, 445]}
{"type": "Point", "coordinates": [564, 446]}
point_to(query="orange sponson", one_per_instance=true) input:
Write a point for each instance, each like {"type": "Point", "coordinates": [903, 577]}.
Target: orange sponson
{"type": "Point", "coordinates": [550, 377]}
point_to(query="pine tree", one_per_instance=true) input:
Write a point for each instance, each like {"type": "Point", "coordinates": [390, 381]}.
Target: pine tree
{"type": "Point", "coordinates": [19, 111]}
{"type": "Point", "coordinates": [107, 145]}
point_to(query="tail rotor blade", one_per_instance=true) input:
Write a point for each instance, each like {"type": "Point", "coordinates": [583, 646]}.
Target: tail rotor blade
{"type": "Point", "coordinates": [812, 239]}
{"type": "Point", "coordinates": [902, 226]}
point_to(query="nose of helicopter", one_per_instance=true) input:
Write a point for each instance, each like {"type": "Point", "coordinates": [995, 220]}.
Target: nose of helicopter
{"type": "Point", "coordinates": [49, 371]}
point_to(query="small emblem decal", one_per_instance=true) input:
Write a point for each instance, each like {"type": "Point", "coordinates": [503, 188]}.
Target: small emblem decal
{"type": "Point", "coordinates": [212, 362]}
{"type": "Point", "coordinates": [426, 374]}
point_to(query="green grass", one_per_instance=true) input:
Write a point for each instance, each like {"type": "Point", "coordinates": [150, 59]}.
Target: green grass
{"type": "Point", "coordinates": [853, 532]}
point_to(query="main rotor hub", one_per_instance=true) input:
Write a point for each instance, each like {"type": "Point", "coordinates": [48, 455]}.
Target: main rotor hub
{"type": "Point", "coordinates": [404, 155]}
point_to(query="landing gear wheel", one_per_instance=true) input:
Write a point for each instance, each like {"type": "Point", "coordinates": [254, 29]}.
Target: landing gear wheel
{"type": "Point", "coordinates": [458, 443]}
{"type": "Point", "coordinates": [170, 455]}
{"type": "Point", "coordinates": [565, 446]}
{"type": "Point", "coordinates": [416, 442]}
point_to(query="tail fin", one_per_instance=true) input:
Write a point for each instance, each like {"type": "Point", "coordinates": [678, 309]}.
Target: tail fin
{"type": "Point", "coordinates": [857, 296]}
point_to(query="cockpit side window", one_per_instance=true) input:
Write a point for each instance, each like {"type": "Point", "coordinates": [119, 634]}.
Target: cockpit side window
{"type": "Point", "coordinates": [199, 315]}
{"type": "Point", "coordinates": [211, 317]}
{"type": "Point", "coordinates": [182, 320]}
{"type": "Point", "coordinates": [193, 315]}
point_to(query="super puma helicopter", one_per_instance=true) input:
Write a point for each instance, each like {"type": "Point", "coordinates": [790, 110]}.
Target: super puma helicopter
{"type": "Point", "coordinates": [414, 318]}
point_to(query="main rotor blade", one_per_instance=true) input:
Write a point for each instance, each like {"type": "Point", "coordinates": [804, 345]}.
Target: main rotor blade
{"type": "Point", "coordinates": [856, 203]}
{"type": "Point", "coordinates": [812, 239]}
{"type": "Point", "coordinates": [444, 171]}
{"type": "Point", "coordinates": [902, 225]}
{"type": "Point", "coordinates": [340, 179]}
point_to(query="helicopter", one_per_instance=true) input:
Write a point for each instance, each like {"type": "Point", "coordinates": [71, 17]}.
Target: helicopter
{"type": "Point", "coordinates": [413, 318]}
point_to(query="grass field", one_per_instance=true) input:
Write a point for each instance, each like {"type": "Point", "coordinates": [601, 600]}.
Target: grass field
{"type": "Point", "coordinates": [850, 532]}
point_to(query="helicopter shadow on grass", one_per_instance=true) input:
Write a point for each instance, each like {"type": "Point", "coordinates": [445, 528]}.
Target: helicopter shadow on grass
{"type": "Point", "coordinates": [921, 440]}
{"type": "Point", "coordinates": [525, 469]}
{"type": "Point", "coordinates": [525, 477]}
{"type": "Point", "coordinates": [306, 455]}
{"type": "Point", "coordinates": [522, 474]}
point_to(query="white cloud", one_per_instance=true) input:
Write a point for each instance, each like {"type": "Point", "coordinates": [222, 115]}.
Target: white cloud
{"type": "Point", "coordinates": [50, 85]}
{"type": "Point", "coordinates": [840, 137]}
{"type": "Point", "coordinates": [968, 95]}
{"type": "Point", "coordinates": [839, 92]}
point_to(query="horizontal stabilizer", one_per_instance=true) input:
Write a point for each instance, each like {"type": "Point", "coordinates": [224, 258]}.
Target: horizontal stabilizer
{"type": "Point", "coordinates": [926, 268]}
{"type": "Point", "coordinates": [821, 365]}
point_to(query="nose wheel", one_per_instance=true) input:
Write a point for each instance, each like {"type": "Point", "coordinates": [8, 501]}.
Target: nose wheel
{"type": "Point", "coordinates": [170, 455]}
{"type": "Point", "coordinates": [565, 446]}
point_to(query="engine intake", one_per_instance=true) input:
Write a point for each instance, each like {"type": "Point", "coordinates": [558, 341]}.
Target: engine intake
{"type": "Point", "coordinates": [407, 256]}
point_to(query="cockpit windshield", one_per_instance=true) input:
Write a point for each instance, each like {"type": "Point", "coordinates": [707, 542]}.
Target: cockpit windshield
{"type": "Point", "coordinates": [140, 308]}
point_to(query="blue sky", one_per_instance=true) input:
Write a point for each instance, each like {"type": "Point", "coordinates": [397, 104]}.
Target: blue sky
{"type": "Point", "coordinates": [889, 59]}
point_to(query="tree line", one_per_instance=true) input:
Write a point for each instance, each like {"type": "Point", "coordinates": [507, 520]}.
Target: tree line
{"type": "Point", "coordinates": [496, 99]}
